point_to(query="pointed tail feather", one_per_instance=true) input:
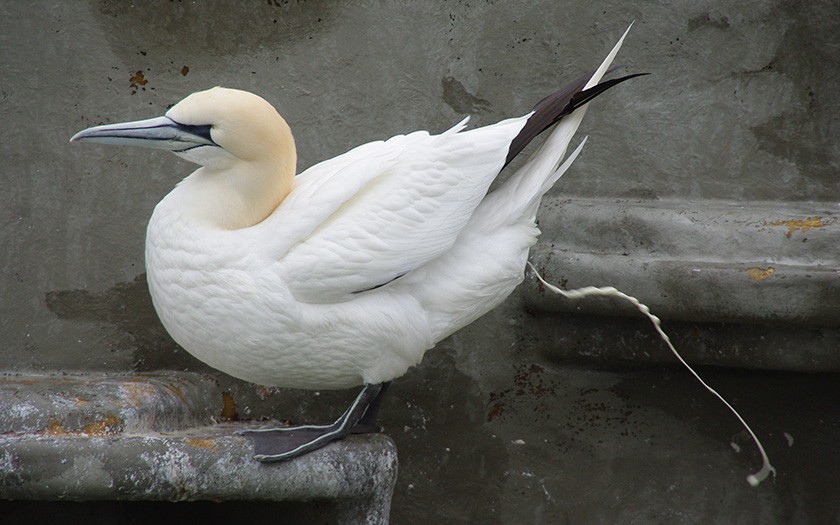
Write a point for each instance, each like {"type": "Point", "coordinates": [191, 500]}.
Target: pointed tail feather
{"type": "Point", "coordinates": [554, 107]}
{"type": "Point", "coordinates": [548, 158]}
{"type": "Point", "coordinates": [566, 109]}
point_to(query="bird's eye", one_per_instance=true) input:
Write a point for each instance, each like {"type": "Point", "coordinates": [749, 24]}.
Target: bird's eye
{"type": "Point", "coordinates": [202, 131]}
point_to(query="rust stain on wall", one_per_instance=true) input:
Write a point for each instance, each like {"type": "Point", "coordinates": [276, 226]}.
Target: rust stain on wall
{"type": "Point", "coordinates": [140, 394]}
{"type": "Point", "coordinates": [229, 407]}
{"type": "Point", "coordinates": [529, 384]}
{"type": "Point", "coordinates": [137, 82]}
{"type": "Point", "coordinates": [106, 426]}
{"type": "Point", "coordinates": [55, 428]}
{"type": "Point", "coordinates": [759, 274]}
{"type": "Point", "coordinates": [209, 444]}
{"type": "Point", "coordinates": [497, 404]}
{"type": "Point", "coordinates": [801, 225]}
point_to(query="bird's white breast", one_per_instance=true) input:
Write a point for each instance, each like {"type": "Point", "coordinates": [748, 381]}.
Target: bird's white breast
{"type": "Point", "coordinates": [224, 302]}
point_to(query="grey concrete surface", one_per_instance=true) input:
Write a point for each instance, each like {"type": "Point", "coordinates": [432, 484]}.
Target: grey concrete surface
{"type": "Point", "coordinates": [356, 475]}
{"type": "Point", "coordinates": [685, 259]}
{"type": "Point", "coordinates": [155, 437]}
{"type": "Point", "coordinates": [500, 423]}
{"type": "Point", "coordinates": [107, 404]}
{"type": "Point", "coordinates": [743, 284]}
{"type": "Point", "coordinates": [195, 464]}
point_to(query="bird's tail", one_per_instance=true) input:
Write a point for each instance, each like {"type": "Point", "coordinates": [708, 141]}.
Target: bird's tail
{"type": "Point", "coordinates": [486, 263]}
{"type": "Point", "coordinates": [566, 108]}
{"type": "Point", "coordinates": [554, 107]}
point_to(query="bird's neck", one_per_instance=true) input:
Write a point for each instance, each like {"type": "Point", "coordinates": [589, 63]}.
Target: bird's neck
{"type": "Point", "coordinates": [237, 197]}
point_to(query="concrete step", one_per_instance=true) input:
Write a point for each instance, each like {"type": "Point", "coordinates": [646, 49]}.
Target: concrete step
{"type": "Point", "coordinates": [151, 437]}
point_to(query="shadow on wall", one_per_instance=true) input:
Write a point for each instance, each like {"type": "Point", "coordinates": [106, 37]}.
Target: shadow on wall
{"type": "Point", "coordinates": [127, 309]}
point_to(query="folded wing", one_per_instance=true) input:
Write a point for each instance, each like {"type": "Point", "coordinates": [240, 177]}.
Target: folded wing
{"type": "Point", "coordinates": [364, 218]}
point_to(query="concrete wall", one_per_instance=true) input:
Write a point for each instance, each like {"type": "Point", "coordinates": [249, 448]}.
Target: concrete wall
{"type": "Point", "coordinates": [741, 107]}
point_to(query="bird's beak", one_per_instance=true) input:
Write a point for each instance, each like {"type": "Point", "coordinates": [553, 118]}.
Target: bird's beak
{"type": "Point", "coordinates": [158, 133]}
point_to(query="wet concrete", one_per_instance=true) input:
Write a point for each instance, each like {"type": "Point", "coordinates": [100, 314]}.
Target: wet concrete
{"type": "Point", "coordinates": [500, 423]}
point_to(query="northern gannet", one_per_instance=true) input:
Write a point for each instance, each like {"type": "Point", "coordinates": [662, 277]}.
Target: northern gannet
{"type": "Point", "coordinates": [348, 273]}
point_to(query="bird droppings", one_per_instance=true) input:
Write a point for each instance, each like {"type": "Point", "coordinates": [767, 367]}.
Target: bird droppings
{"type": "Point", "coordinates": [801, 225]}
{"type": "Point", "coordinates": [96, 405]}
{"type": "Point", "coordinates": [590, 291]}
{"type": "Point", "coordinates": [759, 274]}
{"type": "Point", "coordinates": [789, 438]}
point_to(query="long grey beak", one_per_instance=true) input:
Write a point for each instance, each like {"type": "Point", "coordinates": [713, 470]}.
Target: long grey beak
{"type": "Point", "coordinates": [158, 133]}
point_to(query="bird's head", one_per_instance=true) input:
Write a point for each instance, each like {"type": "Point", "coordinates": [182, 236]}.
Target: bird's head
{"type": "Point", "coordinates": [245, 148]}
{"type": "Point", "coordinates": [215, 128]}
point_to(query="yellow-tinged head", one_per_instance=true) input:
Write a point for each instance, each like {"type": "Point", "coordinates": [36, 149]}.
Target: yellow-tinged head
{"type": "Point", "coordinates": [241, 123]}
{"type": "Point", "coordinates": [244, 146]}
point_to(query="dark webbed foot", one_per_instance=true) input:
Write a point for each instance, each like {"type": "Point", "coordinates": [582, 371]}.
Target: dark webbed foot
{"type": "Point", "coordinates": [277, 444]}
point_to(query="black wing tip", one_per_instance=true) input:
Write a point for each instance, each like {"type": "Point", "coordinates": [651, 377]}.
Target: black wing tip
{"type": "Point", "coordinates": [582, 97]}
{"type": "Point", "coordinates": [554, 107]}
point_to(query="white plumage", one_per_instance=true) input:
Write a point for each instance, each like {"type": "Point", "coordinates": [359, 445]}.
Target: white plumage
{"type": "Point", "coordinates": [279, 303]}
{"type": "Point", "coordinates": [347, 273]}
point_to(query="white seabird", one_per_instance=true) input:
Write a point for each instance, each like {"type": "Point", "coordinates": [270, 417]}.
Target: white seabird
{"type": "Point", "coordinates": [345, 274]}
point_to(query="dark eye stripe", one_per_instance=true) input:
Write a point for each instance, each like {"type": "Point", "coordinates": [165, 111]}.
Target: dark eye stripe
{"type": "Point", "coordinates": [201, 131]}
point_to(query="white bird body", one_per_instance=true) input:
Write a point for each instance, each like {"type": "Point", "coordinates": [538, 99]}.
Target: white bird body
{"type": "Point", "coordinates": [347, 273]}
{"type": "Point", "coordinates": [274, 303]}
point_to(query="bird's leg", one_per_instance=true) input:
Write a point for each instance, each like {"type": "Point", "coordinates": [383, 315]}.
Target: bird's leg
{"type": "Point", "coordinates": [277, 444]}
{"type": "Point", "coordinates": [368, 421]}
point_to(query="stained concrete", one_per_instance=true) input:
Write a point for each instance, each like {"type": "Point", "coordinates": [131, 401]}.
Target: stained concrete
{"type": "Point", "coordinates": [684, 259]}
{"type": "Point", "coordinates": [102, 404]}
{"type": "Point", "coordinates": [740, 107]}
{"type": "Point", "coordinates": [158, 437]}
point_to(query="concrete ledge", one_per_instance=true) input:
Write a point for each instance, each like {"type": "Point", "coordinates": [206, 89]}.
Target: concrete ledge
{"type": "Point", "coordinates": [755, 286]}
{"type": "Point", "coordinates": [631, 341]}
{"type": "Point", "coordinates": [54, 454]}
{"type": "Point", "coordinates": [100, 404]}
{"type": "Point", "coordinates": [709, 261]}
{"type": "Point", "coordinates": [203, 464]}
